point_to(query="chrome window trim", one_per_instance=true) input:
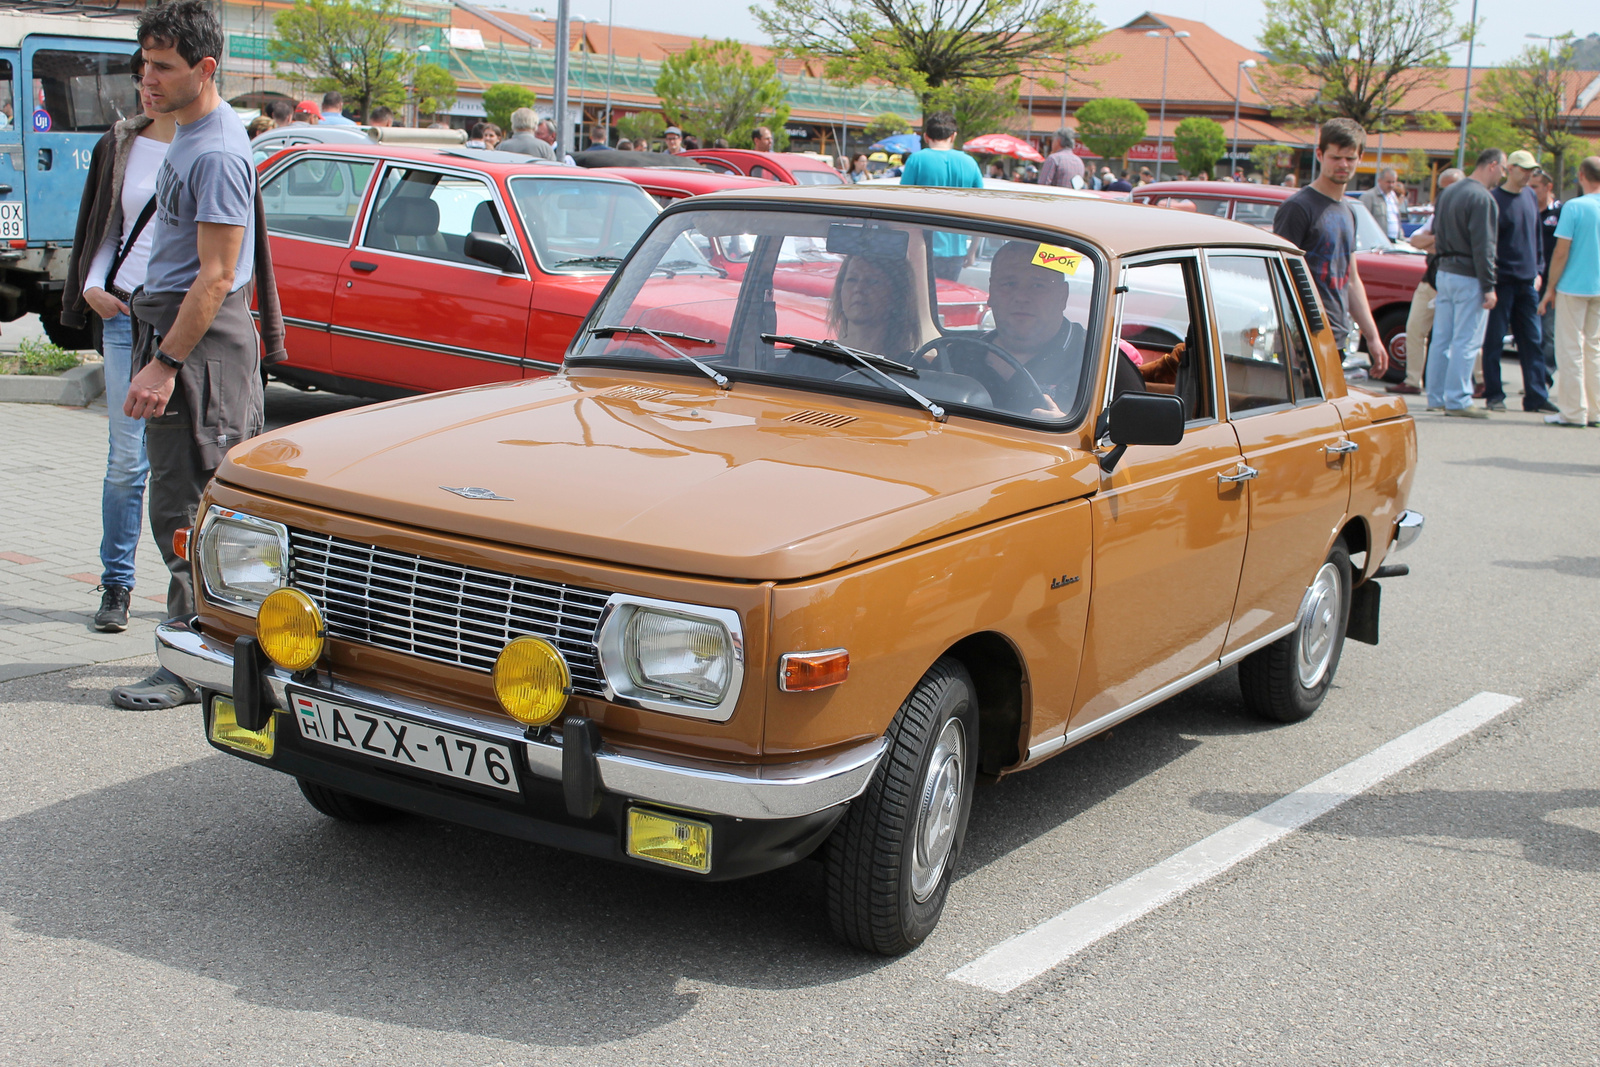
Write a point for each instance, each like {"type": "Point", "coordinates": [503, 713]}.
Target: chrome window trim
{"type": "Point", "coordinates": [455, 172]}
{"type": "Point", "coordinates": [619, 685]}
{"type": "Point", "coordinates": [425, 346]}
{"type": "Point", "coordinates": [215, 514]}
{"type": "Point", "coordinates": [284, 166]}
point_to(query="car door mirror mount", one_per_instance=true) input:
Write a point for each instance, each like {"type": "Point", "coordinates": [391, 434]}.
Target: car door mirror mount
{"type": "Point", "coordinates": [1138, 419]}
{"type": "Point", "coordinates": [493, 249]}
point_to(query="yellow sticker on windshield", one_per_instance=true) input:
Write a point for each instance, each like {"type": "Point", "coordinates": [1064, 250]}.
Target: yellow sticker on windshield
{"type": "Point", "coordinates": [1059, 259]}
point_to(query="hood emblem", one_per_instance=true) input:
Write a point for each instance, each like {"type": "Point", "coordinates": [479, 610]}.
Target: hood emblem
{"type": "Point", "coordinates": [473, 492]}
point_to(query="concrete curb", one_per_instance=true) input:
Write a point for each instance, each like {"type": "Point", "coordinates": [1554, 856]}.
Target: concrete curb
{"type": "Point", "coordinates": [75, 388]}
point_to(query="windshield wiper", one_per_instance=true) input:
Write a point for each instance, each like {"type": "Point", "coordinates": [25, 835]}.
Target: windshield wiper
{"type": "Point", "coordinates": [674, 267]}
{"type": "Point", "coordinates": [661, 337]}
{"type": "Point", "coordinates": [588, 259]}
{"type": "Point", "coordinates": [870, 361]}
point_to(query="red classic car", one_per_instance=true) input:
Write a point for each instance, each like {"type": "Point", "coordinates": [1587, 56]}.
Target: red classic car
{"type": "Point", "coordinates": [406, 270]}
{"type": "Point", "coordinates": [791, 168]}
{"type": "Point", "coordinates": [668, 184]}
{"type": "Point", "coordinates": [1389, 271]}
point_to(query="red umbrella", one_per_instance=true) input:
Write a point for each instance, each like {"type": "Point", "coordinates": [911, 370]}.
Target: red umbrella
{"type": "Point", "coordinates": [1002, 144]}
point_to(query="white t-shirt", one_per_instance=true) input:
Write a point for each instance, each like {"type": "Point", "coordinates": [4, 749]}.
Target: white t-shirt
{"type": "Point", "coordinates": [138, 186]}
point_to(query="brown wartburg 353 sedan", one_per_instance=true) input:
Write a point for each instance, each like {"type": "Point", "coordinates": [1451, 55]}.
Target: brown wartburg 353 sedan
{"type": "Point", "coordinates": [772, 569]}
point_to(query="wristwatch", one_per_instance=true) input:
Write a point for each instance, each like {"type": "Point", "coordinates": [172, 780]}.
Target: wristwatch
{"type": "Point", "coordinates": [168, 361]}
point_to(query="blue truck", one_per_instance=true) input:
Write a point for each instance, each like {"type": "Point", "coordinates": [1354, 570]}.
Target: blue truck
{"type": "Point", "coordinates": [64, 80]}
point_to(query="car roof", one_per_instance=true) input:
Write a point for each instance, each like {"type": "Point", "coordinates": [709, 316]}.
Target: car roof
{"type": "Point", "coordinates": [1217, 190]}
{"type": "Point", "coordinates": [693, 182]}
{"type": "Point", "coordinates": [504, 164]}
{"type": "Point", "coordinates": [789, 160]}
{"type": "Point", "coordinates": [1117, 227]}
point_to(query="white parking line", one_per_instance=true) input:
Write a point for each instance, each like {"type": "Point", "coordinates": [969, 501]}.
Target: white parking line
{"type": "Point", "coordinates": [1026, 956]}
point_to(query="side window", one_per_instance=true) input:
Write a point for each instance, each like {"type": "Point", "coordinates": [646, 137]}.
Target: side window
{"type": "Point", "coordinates": [83, 92]}
{"type": "Point", "coordinates": [1255, 364]}
{"type": "Point", "coordinates": [1302, 368]}
{"type": "Point", "coordinates": [1255, 214]}
{"type": "Point", "coordinates": [317, 198]}
{"type": "Point", "coordinates": [426, 213]}
{"type": "Point", "coordinates": [7, 119]}
{"type": "Point", "coordinates": [758, 171]}
{"type": "Point", "coordinates": [1160, 350]}
{"type": "Point", "coordinates": [1198, 204]}
{"type": "Point", "coordinates": [717, 165]}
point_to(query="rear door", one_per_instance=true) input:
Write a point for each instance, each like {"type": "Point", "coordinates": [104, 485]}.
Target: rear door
{"type": "Point", "coordinates": [410, 310]}
{"type": "Point", "coordinates": [13, 175]}
{"type": "Point", "coordinates": [1291, 437]}
{"type": "Point", "coordinates": [73, 91]}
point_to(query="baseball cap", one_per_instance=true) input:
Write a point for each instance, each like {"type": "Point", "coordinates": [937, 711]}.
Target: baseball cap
{"type": "Point", "coordinates": [1524, 159]}
{"type": "Point", "coordinates": [310, 106]}
{"type": "Point", "coordinates": [674, 129]}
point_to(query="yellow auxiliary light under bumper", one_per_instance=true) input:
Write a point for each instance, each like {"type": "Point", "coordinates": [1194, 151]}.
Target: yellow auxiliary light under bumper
{"type": "Point", "coordinates": [669, 839]}
{"type": "Point", "coordinates": [289, 626]}
{"type": "Point", "coordinates": [532, 681]}
{"type": "Point", "coordinates": [225, 730]}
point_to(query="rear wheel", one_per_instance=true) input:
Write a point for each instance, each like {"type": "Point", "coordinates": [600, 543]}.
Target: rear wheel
{"type": "Point", "coordinates": [1392, 331]}
{"type": "Point", "coordinates": [343, 806]}
{"type": "Point", "coordinates": [889, 862]}
{"type": "Point", "coordinates": [1287, 680]}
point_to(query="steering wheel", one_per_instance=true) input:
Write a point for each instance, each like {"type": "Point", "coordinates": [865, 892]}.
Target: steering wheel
{"type": "Point", "coordinates": [1039, 399]}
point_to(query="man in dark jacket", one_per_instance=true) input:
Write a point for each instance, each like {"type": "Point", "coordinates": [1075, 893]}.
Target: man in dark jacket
{"type": "Point", "coordinates": [1544, 193]}
{"type": "Point", "coordinates": [196, 354]}
{"type": "Point", "coordinates": [1519, 261]}
{"type": "Point", "coordinates": [1466, 222]}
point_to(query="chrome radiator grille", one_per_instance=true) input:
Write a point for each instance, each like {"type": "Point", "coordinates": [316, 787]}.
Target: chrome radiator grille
{"type": "Point", "coordinates": [442, 612]}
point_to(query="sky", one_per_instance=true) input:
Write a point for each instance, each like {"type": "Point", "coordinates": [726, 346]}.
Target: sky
{"type": "Point", "coordinates": [1505, 22]}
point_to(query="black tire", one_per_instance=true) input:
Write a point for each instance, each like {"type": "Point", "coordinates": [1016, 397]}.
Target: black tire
{"type": "Point", "coordinates": [343, 806]}
{"type": "Point", "coordinates": [885, 893]}
{"type": "Point", "coordinates": [72, 338]}
{"type": "Point", "coordinates": [1286, 681]}
{"type": "Point", "coordinates": [1392, 331]}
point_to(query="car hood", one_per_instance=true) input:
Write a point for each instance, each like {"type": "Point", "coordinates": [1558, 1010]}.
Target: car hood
{"type": "Point", "coordinates": [660, 473]}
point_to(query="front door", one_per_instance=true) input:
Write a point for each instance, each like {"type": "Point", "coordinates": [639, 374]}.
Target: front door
{"type": "Point", "coordinates": [410, 310]}
{"type": "Point", "coordinates": [1291, 438]}
{"type": "Point", "coordinates": [13, 176]}
{"type": "Point", "coordinates": [1169, 532]}
{"type": "Point", "coordinates": [72, 92]}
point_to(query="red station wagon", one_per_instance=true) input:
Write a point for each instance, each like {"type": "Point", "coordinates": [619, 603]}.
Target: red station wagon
{"type": "Point", "coordinates": [1389, 271]}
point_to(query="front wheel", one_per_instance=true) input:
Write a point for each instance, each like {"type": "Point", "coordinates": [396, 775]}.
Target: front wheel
{"type": "Point", "coordinates": [345, 807]}
{"type": "Point", "coordinates": [889, 862]}
{"type": "Point", "coordinates": [1287, 680]}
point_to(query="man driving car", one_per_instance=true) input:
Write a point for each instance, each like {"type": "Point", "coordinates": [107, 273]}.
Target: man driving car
{"type": "Point", "coordinates": [1028, 290]}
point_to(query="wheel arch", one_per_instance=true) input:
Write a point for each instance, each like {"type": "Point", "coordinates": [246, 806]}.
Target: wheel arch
{"type": "Point", "coordinates": [1000, 677]}
{"type": "Point", "coordinates": [1357, 536]}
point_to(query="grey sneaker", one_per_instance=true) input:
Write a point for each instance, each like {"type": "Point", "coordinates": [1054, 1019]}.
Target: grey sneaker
{"type": "Point", "coordinates": [1467, 413]}
{"type": "Point", "coordinates": [112, 618]}
{"type": "Point", "coordinates": [163, 689]}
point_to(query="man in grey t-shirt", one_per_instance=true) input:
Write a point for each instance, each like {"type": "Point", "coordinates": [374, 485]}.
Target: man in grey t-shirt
{"type": "Point", "coordinates": [195, 349]}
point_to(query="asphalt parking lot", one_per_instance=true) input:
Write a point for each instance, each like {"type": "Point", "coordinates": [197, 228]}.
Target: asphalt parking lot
{"type": "Point", "coordinates": [160, 902]}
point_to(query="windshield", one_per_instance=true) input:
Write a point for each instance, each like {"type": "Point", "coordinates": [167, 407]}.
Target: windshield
{"type": "Point", "coordinates": [955, 320]}
{"type": "Point", "coordinates": [1369, 238]}
{"type": "Point", "coordinates": [580, 224]}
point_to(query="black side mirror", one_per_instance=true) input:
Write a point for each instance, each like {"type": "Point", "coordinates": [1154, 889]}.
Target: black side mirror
{"type": "Point", "coordinates": [1139, 419]}
{"type": "Point", "coordinates": [492, 249]}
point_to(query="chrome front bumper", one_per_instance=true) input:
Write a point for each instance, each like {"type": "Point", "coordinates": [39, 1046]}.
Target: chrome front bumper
{"type": "Point", "coordinates": [771, 791]}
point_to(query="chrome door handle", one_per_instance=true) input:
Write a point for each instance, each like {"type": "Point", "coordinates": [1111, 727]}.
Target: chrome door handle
{"type": "Point", "coordinates": [1241, 473]}
{"type": "Point", "coordinates": [1341, 448]}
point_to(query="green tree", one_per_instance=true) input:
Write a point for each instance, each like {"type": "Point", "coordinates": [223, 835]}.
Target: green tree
{"type": "Point", "coordinates": [501, 99]}
{"type": "Point", "coordinates": [1270, 159]}
{"type": "Point", "coordinates": [641, 128]}
{"type": "Point", "coordinates": [1354, 59]}
{"type": "Point", "coordinates": [433, 88]}
{"type": "Point", "coordinates": [1434, 121]}
{"type": "Point", "coordinates": [924, 47]}
{"type": "Point", "coordinates": [1416, 167]}
{"type": "Point", "coordinates": [354, 46]}
{"type": "Point", "coordinates": [1531, 93]}
{"type": "Point", "coordinates": [979, 105]}
{"type": "Point", "coordinates": [1198, 143]}
{"type": "Point", "coordinates": [1110, 126]}
{"type": "Point", "coordinates": [1487, 129]}
{"type": "Point", "coordinates": [887, 124]}
{"type": "Point", "coordinates": [717, 89]}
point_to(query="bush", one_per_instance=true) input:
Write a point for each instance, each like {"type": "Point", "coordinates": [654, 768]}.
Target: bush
{"type": "Point", "coordinates": [1110, 126]}
{"type": "Point", "coordinates": [39, 357]}
{"type": "Point", "coordinates": [500, 100]}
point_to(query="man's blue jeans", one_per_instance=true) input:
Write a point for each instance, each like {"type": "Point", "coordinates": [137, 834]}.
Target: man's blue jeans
{"type": "Point", "coordinates": [122, 499]}
{"type": "Point", "coordinates": [1516, 309]}
{"type": "Point", "coordinates": [1458, 321]}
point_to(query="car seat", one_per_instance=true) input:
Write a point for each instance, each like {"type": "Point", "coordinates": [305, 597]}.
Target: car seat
{"type": "Point", "coordinates": [411, 225]}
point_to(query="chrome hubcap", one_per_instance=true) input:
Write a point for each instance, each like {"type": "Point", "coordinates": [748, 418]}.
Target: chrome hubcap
{"type": "Point", "coordinates": [1318, 625]}
{"type": "Point", "coordinates": [938, 811]}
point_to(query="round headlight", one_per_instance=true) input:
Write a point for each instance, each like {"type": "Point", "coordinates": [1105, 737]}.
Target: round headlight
{"type": "Point", "coordinates": [532, 681]}
{"type": "Point", "coordinates": [290, 628]}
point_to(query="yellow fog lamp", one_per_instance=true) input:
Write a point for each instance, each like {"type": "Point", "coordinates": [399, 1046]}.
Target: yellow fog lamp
{"type": "Point", "coordinates": [532, 681]}
{"type": "Point", "coordinates": [669, 839]}
{"type": "Point", "coordinates": [290, 628]}
{"type": "Point", "coordinates": [225, 730]}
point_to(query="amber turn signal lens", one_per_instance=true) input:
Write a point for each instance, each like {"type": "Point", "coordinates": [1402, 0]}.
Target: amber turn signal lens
{"type": "Point", "coordinates": [670, 840]}
{"type": "Point", "coordinates": [532, 680]}
{"type": "Point", "coordinates": [180, 541]}
{"type": "Point", "coordinates": [801, 672]}
{"type": "Point", "coordinates": [290, 629]}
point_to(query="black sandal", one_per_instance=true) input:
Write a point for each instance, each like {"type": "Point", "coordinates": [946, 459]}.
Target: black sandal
{"type": "Point", "coordinates": [160, 691]}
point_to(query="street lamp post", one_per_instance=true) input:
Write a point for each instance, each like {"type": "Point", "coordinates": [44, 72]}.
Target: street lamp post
{"type": "Point", "coordinates": [411, 115]}
{"type": "Point", "coordinates": [1466, 92]}
{"type": "Point", "coordinates": [563, 43]}
{"type": "Point", "coordinates": [611, 61]}
{"type": "Point", "coordinates": [1161, 132]}
{"type": "Point", "coordinates": [1244, 65]}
